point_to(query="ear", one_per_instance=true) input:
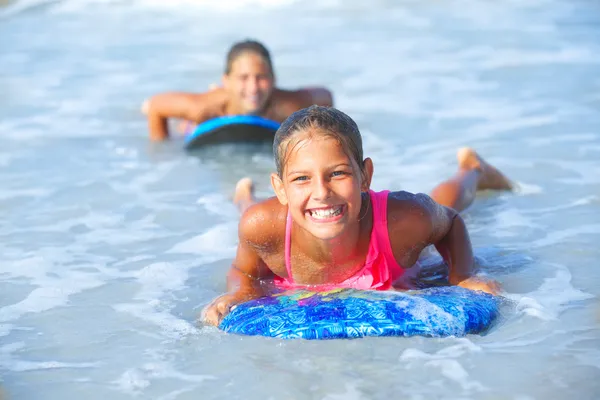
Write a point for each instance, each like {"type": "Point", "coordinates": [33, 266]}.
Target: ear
{"type": "Point", "coordinates": [277, 184]}
{"type": "Point", "coordinates": [367, 175]}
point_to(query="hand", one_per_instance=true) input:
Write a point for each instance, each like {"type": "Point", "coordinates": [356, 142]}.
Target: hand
{"type": "Point", "coordinates": [145, 107]}
{"type": "Point", "coordinates": [220, 307]}
{"type": "Point", "coordinates": [484, 285]}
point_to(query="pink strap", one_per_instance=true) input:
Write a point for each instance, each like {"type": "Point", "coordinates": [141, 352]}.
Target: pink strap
{"type": "Point", "coordinates": [288, 246]}
{"type": "Point", "coordinates": [379, 201]}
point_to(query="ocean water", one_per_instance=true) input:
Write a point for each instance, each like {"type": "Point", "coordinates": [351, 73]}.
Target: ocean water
{"type": "Point", "coordinates": [110, 245]}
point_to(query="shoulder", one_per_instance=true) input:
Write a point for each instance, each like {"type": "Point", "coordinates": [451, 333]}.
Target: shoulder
{"type": "Point", "coordinates": [406, 203]}
{"type": "Point", "coordinates": [195, 106]}
{"type": "Point", "coordinates": [262, 225]}
{"type": "Point", "coordinates": [289, 101]}
{"type": "Point", "coordinates": [416, 213]}
{"type": "Point", "coordinates": [211, 103]}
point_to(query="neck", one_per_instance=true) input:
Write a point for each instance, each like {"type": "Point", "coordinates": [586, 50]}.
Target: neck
{"type": "Point", "coordinates": [340, 257]}
{"type": "Point", "coordinates": [233, 108]}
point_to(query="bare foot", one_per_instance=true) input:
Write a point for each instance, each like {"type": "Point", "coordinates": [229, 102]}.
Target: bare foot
{"type": "Point", "coordinates": [490, 177]}
{"type": "Point", "coordinates": [244, 194]}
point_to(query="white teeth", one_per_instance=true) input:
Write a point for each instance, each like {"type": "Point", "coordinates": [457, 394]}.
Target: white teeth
{"type": "Point", "coordinates": [326, 213]}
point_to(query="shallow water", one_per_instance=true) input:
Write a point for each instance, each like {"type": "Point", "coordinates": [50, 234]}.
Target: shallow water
{"type": "Point", "coordinates": [110, 246]}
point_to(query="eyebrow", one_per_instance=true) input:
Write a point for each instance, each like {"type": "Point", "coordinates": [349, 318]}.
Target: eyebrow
{"type": "Point", "coordinates": [331, 167]}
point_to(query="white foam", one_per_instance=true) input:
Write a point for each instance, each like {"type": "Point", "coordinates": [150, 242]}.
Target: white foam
{"type": "Point", "coordinates": [170, 326]}
{"type": "Point", "coordinates": [525, 189]}
{"type": "Point", "coordinates": [446, 360]}
{"type": "Point", "coordinates": [562, 207]}
{"type": "Point", "coordinates": [75, 6]}
{"type": "Point", "coordinates": [508, 221]}
{"type": "Point", "coordinates": [217, 204]}
{"type": "Point", "coordinates": [351, 393]}
{"type": "Point", "coordinates": [156, 280]}
{"type": "Point", "coordinates": [554, 296]}
{"type": "Point", "coordinates": [55, 286]}
{"type": "Point", "coordinates": [458, 348]}
{"type": "Point", "coordinates": [9, 362]}
{"type": "Point", "coordinates": [134, 381]}
{"type": "Point", "coordinates": [453, 370]}
{"type": "Point", "coordinates": [217, 242]}
{"type": "Point", "coordinates": [556, 139]}
{"type": "Point", "coordinates": [561, 236]}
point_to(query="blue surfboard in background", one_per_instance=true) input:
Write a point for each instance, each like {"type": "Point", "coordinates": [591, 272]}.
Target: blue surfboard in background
{"type": "Point", "coordinates": [231, 129]}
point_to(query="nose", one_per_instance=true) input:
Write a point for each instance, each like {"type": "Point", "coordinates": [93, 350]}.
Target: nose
{"type": "Point", "coordinates": [253, 85]}
{"type": "Point", "coordinates": [321, 189]}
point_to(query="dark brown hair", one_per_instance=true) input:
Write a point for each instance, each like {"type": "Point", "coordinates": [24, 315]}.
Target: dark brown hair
{"type": "Point", "coordinates": [331, 121]}
{"type": "Point", "coordinates": [248, 46]}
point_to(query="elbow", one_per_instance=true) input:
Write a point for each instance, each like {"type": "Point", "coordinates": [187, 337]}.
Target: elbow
{"type": "Point", "coordinates": [149, 106]}
{"type": "Point", "coordinates": [145, 106]}
{"type": "Point", "coordinates": [157, 123]}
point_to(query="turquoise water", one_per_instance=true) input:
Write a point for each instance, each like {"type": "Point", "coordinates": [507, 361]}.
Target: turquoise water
{"type": "Point", "coordinates": [110, 246]}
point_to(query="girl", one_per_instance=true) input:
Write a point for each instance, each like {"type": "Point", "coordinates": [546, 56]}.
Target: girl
{"type": "Point", "coordinates": [247, 88]}
{"type": "Point", "coordinates": [325, 228]}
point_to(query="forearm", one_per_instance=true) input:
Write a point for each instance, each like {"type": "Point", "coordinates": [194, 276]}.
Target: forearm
{"type": "Point", "coordinates": [242, 284]}
{"type": "Point", "coordinates": [455, 248]}
{"type": "Point", "coordinates": [157, 126]}
{"type": "Point", "coordinates": [158, 109]}
{"type": "Point", "coordinates": [161, 107]}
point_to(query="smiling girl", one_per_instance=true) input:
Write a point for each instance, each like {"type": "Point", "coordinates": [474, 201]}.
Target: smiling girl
{"type": "Point", "coordinates": [327, 229]}
{"type": "Point", "coordinates": [248, 88]}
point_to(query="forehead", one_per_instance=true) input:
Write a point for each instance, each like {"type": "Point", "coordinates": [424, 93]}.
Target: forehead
{"type": "Point", "coordinates": [315, 147]}
{"type": "Point", "coordinates": [249, 62]}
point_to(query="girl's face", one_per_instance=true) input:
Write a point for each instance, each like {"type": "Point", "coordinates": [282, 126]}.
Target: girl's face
{"type": "Point", "coordinates": [321, 185]}
{"type": "Point", "coordinates": [249, 83]}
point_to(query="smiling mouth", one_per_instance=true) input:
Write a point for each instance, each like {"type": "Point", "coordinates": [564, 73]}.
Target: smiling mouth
{"type": "Point", "coordinates": [253, 99]}
{"type": "Point", "coordinates": [326, 214]}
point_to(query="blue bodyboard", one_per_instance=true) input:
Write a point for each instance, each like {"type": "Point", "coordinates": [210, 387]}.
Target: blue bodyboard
{"type": "Point", "coordinates": [349, 313]}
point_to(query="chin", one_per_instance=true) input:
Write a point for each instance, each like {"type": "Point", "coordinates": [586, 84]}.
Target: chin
{"type": "Point", "coordinates": [321, 235]}
{"type": "Point", "coordinates": [253, 108]}
{"type": "Point", "coordinates": [326, 232]}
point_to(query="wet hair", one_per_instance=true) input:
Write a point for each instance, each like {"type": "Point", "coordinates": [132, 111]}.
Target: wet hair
{"type": "Point", "coordinates": [248, 46]}
{"type": "Point", "coordinates": [330, 121]}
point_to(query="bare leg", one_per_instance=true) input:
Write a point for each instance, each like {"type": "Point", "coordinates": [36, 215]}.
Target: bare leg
{"type": "Point", "coordinates": [244, 194]}
{"type": "Point", "coordinates": [473, 174]}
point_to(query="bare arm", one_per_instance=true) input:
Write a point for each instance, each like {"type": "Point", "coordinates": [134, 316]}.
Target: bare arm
{"type": "Point", "coordinates": [452, 241]}
{"type": "Point", "coordinates": [319, 96]}
{"type": "Point", "coordinates": [446, 230]}
{"type": "Point", "coordinates": [187, 106]}
{"type": "Point", "coordinates": [424, 222]}
{"type": "Point", "coordinates": [286, 102]}
{"type": "Point", "coordinates": [246, 273]}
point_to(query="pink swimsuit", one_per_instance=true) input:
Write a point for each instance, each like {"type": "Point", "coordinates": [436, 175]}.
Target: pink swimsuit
{"type": "Point", "coordinates": [381, 268]}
